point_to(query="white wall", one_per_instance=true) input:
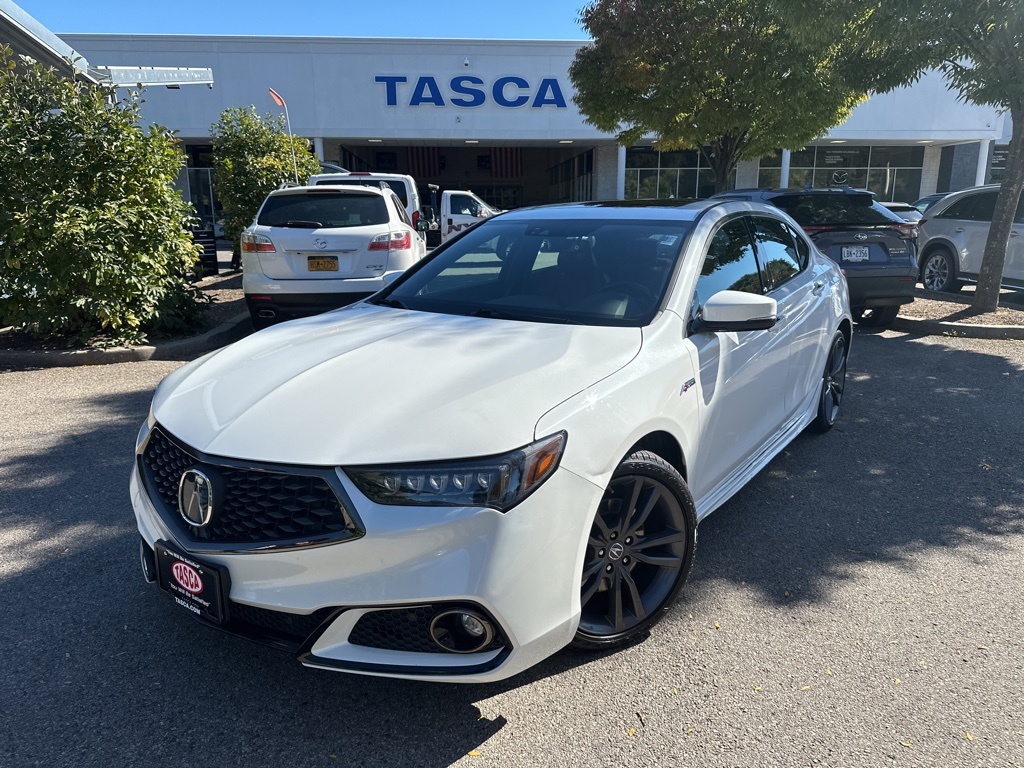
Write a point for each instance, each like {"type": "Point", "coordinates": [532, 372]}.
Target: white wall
{"type": "Point", "coordinates": [330, 89]}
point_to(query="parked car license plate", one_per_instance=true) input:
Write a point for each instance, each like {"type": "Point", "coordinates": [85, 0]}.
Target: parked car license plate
{"type": "Point", "coordinates": [322, 263]}
{"type": "Point", "coordinates": [197, 587]}
{"type": "Point", "coordinates": [856, 253]}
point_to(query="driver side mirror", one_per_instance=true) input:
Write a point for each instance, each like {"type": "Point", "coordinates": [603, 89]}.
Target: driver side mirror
{"type": "Point", "coordinates": [737, 311]}
{"type": "Point", "coordinates": [422, 225]}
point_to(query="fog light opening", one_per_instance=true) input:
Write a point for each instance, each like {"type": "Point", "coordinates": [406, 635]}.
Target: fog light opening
{"type": "Point", "coordinates": [461, 631]}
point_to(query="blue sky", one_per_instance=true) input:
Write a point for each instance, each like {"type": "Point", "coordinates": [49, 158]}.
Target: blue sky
{"type": "Point", "coordinates": [539, 19]}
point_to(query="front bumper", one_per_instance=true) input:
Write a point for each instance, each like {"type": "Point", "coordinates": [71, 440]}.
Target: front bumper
{"type": "Point", "coordinates": [520, 568]}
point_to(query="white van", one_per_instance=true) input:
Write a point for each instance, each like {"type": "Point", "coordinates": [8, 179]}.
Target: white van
{"type": "Point", "coordinates": [402, 185]}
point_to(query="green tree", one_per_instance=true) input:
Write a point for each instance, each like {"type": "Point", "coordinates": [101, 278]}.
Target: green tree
{"type": "Point", "coordinates": [721, 76]}
{"type": "Point", "coordinates": [94, 246]}
{"type": "Point", "coordinates": [976, 43]}
{"type": "Point", "coordinates": [252, 155]}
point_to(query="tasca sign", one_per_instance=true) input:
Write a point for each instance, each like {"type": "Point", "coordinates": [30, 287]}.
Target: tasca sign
{"type": "Point", "coordinates": [470, 91]}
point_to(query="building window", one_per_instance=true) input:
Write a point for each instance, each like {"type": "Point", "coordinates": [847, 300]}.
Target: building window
{"type": "Point", "coordinates": [892, 173]}
{"type": "Point", "coordinates": [651, 174]}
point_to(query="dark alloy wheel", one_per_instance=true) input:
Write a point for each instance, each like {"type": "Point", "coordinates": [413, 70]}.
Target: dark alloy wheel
{"type": "Point", "coordinates": [938, 273]}
{"type": "Point", "coordinates": [833, 384]}
{"type": "Point", "coordinates": [876, 317]}
{"type": "Point", "coordinates": [638, 554]}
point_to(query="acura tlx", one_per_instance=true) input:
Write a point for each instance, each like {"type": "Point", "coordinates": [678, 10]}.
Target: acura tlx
{"type": "Point", "coordinates": [505, 451]}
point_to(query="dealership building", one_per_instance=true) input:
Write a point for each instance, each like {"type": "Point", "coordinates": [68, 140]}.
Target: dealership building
{"type": "Point", "coordinates": [497, 117]}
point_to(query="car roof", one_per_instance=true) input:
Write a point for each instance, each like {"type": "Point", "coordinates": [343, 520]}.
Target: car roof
{"type": "Point", "coordinates": [686, 210]}
{"type": "Point", "coordinates": [951, 197]}
{"type": "Point", "coordinates": [363, 174]}
{"type": "Point", "coordinates": [328, 190]}
{"type": "Point", "coordinates": [768, 193]}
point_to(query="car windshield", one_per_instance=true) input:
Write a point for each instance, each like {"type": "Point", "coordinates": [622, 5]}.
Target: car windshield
{"type": "Point", "coordinates": [316, 210]}
{"type": "Point", "coordinates": [587, 272]}
{"type": "Point", "coordinates": [835, 209]}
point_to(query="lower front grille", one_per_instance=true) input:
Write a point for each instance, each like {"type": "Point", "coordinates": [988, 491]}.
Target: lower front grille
{"type": "Point", "coordinates": [407, 629]}
{"type": "Point", "coordinates": [283, 630]}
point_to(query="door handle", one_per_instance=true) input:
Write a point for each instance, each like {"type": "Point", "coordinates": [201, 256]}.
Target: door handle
{"type": "Point", "coordinates": [959, 229]}
{"type": "Point", "coordinates": [818, 287]}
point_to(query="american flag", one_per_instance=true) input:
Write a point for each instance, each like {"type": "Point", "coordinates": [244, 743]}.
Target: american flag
{"type": "Point", "coordinates": [424, 162]}
{"type": "Point", "coordinates": [506, 162]}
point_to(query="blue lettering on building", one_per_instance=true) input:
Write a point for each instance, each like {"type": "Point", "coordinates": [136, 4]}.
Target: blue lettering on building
{"type": "Point", "coordinates": [461, 86]}
{"type": "Point", "coordinates": [466, 91]}
{"type": "Point", "coordinates": [426, 92]}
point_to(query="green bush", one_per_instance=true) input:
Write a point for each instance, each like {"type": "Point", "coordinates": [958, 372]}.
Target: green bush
{"type": "Point", "coordinates": [94, 247]}
{"type": "Point", "coordinates": [252, 155]}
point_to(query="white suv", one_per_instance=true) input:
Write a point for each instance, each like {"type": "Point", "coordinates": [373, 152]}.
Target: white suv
{"type": "Point", "coordinates": [311, 249]}
{"type": "Point", "coordinates": [953, 236]}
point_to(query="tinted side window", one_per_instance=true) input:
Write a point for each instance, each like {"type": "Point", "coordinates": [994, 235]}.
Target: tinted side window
{"type": "Point", "coordinates": [984, 206]}
{"type": "Point", "coordinates": [401, 210]}
{"type": "Point", "coordinates": [776, 251]}
{"type": "Point", "coordinates": [802, 251]}
{"type": "Point", "coordinates": [730, 264]}
{"type": "Point", "coordinates": [961, 209]}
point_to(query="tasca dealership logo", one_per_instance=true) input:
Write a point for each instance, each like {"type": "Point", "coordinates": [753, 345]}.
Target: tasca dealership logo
{"type": "Point", "coordinates": [470, 91]}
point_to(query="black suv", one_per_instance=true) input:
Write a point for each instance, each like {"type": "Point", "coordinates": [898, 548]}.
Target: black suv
{"type": "Point", "coordinates": [876, 248]}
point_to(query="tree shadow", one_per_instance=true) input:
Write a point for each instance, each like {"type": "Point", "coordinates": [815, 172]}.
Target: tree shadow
{"type": "Point", "coordinates": [926, 455]}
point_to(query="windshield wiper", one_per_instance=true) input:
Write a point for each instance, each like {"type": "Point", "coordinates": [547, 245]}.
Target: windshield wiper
{"type": "Point", "coordinates": [395, 303]}
{"type": "Point", "coordinates": [299, 224]}
{"type": "Point", "coordinates": [501, 314]}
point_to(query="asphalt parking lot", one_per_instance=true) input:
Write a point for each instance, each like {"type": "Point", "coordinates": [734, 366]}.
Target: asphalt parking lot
{"type": "Point", "coordinates": [857, 604]}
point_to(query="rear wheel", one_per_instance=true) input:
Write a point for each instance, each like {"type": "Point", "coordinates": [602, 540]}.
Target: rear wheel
{"type": "Point", "coordinates": [833, 384]}
{"type": "Point", "coordinates": [938, 273]}
{"type": "Point", "coordinates": [876, 317]}
{"type": "Point", "coordinates": [638, 554]}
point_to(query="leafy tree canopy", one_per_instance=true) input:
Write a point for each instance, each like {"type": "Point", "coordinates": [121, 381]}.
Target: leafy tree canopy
{"type": "Point", "coordinates": [252, 155]}
{"type": "Point", "coordinates": [724, 76]}
{"type": "Point", "coordinates": [94, 246]}
{"type": "Point", "coordinates": [976, 43]}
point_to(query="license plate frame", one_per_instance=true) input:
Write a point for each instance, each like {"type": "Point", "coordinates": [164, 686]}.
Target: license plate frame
{"type": "Point", "coordinates": [856, 253]}
{"type": "Point", "coordinates": [179, 575]}
{"type": "Point", "coordinates": [322, 263]}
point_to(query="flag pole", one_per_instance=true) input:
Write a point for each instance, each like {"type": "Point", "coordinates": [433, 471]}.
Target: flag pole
{"type": "Point", "coordinates": [279, 100]}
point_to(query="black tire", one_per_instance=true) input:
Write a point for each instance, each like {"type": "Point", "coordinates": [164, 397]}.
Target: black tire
{"type": "Point", "coordinates": [876, 317]}
{"type": "Point", "coordinates": [938, 272]}
{"type": "Point", "coordinates": [833, 384]}
{"type": "Point", "coordinates": [639, 552]}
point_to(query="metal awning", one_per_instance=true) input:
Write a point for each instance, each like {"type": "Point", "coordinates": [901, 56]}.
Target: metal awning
{"type": "Point", "coordinates": [30, 38]}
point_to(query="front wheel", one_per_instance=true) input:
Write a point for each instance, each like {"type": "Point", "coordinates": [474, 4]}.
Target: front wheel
{"type": "Point", "coordinates": [833, 384]}
{"type": "Point", "coordinates": [638, 554]}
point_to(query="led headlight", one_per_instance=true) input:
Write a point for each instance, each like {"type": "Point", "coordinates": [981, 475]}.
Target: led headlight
{"type": "Point", "coordinates": [499, 482]}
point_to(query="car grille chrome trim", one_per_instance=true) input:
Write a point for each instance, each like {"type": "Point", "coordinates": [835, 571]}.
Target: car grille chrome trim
{"type": "Point", "coordinates": [258, 507]}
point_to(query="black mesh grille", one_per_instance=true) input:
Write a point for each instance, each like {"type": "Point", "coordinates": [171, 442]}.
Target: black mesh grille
{"type": "Point", "coordinates": [251, 506]}
{"type": "Point", "coordinates": [405, 629]}
{"type": "Point", "coordinates": [288, 625]}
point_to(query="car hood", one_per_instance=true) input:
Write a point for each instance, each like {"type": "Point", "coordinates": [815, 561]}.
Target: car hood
{"type": "Point", "coordinates": [369, 384]}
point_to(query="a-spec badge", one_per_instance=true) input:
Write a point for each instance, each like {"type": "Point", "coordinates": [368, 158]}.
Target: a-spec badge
{"type": "Point", "coordinates": [195, 498]}
{"type": "Point", "coordinates": [688, 386]}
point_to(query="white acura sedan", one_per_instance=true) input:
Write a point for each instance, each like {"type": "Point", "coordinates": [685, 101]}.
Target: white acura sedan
{"type": "Point", "coordinates": [505, 451]}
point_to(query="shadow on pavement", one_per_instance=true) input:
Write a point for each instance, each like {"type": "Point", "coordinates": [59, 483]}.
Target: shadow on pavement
{"type": "Point", "coordinates": [102, 669]}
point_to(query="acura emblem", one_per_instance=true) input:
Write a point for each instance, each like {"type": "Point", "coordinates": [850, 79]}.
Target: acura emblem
{"type": "Point", "coordinates": [616, 550]}
{"type": "Point", "coordinates": [320, 243]}
{"type": "Point", "coordinates": [195, 498]}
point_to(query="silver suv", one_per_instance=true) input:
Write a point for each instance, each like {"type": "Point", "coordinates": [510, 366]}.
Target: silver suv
{"type": "Point", "coordinates": [952, 240]}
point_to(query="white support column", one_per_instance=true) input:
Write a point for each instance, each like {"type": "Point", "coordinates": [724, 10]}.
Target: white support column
{"type": "Point", "coordinates": [784, 174]}
{"type": "Point", "coordinates": [620, 173]}
{"type": "Point", "coordinates": [318, 147]}
{"type": "Point", "coordinates": [979, 176]}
